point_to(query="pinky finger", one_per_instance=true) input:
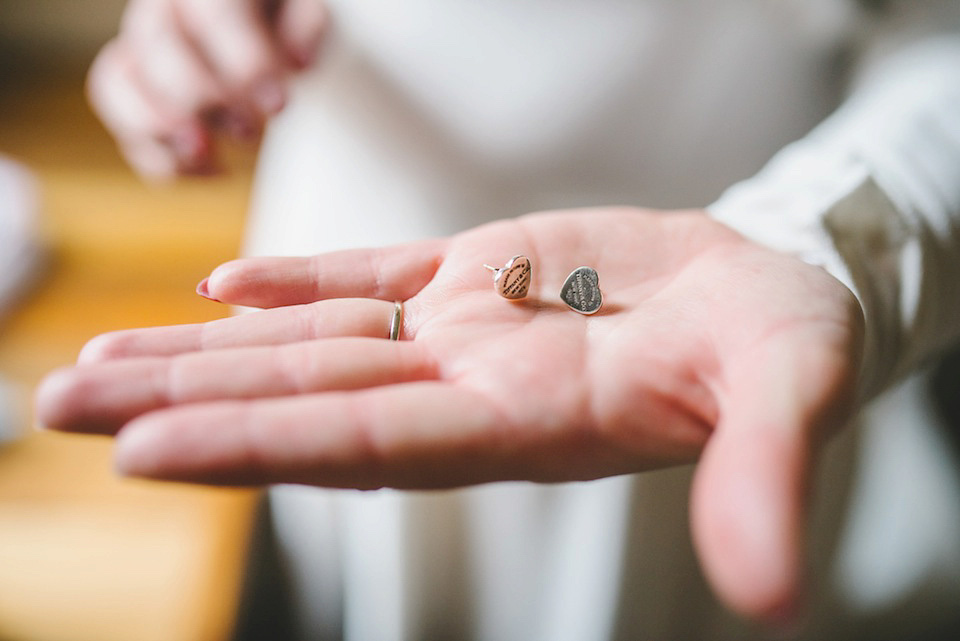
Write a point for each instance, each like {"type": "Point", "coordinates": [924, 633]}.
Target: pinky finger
{"type": "Point", "coordinates": [413, 435]}
{"type": "Point", "coordinates": [390, 273]}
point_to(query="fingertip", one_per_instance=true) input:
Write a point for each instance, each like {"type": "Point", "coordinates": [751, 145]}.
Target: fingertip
{"type": "Point", "coordinates": [153, 162]}
{"type": "Point", "coordinates": [62, 403]}
{"type": "Point", "coordinates": [254, 282]}
{"type": "Point", "coordinates": [174, 445]}
{"type": "Point", "coordinates": [747, 527]}
{"type": "Point", "coordinates": [139, 447]}
{"type": "Point", "coordinates": [152, 176]}
{"type": "Point", "coordinates": [224, 283]}
{"type": "Point", "coordinates": [107, 62]}
{"type": "Point", "coordinates": [51, 397]}
{"type": "Point", "coordinates": [104, 347]}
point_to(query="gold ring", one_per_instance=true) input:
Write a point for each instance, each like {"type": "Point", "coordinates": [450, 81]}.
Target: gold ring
{"type": "Point", "coordinates": [396, 323]}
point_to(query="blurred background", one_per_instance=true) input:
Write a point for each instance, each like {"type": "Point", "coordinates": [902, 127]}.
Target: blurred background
{"type": "Point", "coordinates": [85, 247]}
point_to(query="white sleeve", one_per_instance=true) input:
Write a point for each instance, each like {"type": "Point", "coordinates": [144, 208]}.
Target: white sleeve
{"type": "Point", "coordinates": [873, 196]}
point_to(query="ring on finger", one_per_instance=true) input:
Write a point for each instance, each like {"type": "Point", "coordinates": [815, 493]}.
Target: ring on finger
{"type": "Point", "coordinates": [396, 322]}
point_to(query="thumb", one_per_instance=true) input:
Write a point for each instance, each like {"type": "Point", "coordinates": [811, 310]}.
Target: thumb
{"type": "Point", "coordinates": [749, 502]}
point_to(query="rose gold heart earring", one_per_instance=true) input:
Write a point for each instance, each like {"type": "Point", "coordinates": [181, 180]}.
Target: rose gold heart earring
{"type": "Point", "coordinates": [512, 281]}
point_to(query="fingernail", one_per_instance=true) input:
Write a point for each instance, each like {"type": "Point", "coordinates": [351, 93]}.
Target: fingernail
{"type": "Point", "coordinates": [269, 96]}
{"type": "Point", "coordinates": [204, 290]}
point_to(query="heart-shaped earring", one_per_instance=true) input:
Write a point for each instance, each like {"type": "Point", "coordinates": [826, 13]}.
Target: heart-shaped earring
{"type": "Point", "coordinates": [581, 291]}
{"type": "Point", "coordinates": [512, 281]}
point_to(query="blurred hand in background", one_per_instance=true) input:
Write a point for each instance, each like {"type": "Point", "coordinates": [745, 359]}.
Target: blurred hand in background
{"type": "Point", "coordinates": [181, 71]}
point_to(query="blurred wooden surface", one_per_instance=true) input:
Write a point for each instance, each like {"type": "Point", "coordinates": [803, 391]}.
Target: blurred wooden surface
{"type": "Point", "coordinates": [83, 555]}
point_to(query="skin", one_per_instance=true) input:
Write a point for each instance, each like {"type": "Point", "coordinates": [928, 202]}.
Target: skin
{"type": "Point", "coordinates": [708, 348]}
{"type": "Point", "coordinates": [181, 71]}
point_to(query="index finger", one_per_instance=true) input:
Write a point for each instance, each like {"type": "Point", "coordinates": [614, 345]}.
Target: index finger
{"type": "Point", "coordinates": [391, 273]}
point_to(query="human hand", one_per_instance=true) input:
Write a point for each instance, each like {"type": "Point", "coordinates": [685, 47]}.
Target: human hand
{"type": "Point", "coordinates": [180, 70]}
{"type": "Point", "coordinates": [708, 346]}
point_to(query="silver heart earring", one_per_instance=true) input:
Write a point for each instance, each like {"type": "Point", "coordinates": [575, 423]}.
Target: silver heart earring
{"type": "Point", "coordinates": [581, 291]}
{"type": "Point", "coordinates": [512, 281]}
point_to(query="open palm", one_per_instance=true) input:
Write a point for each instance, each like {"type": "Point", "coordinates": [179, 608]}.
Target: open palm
{"type": "Point", "coordinates": [707, 346]}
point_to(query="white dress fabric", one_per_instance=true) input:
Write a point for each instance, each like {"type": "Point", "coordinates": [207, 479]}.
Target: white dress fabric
{"type": "Point", "coordinates": [426, 117]}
